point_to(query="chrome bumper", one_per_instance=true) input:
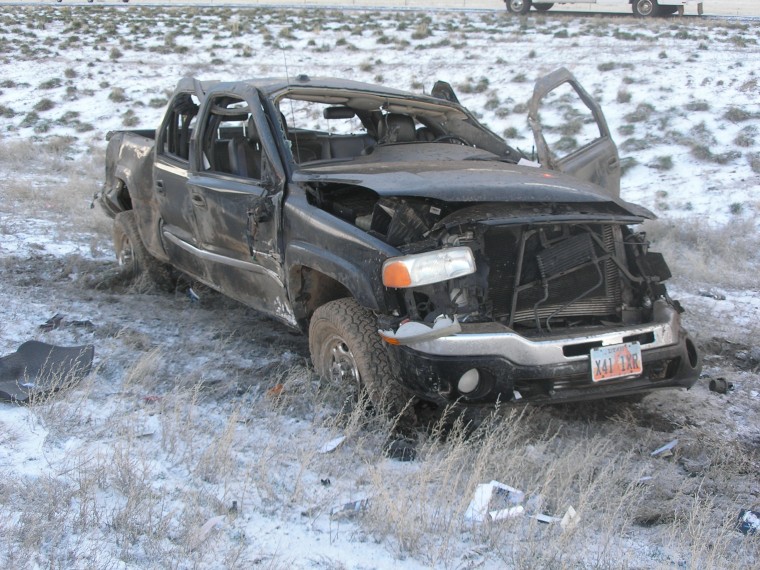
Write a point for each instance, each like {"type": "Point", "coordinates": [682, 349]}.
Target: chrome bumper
{"type": "Point", "coordinates": [490, 339]}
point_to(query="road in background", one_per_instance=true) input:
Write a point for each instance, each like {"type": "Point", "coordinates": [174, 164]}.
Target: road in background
{"type": "Point", "coordinates": [712, 7]}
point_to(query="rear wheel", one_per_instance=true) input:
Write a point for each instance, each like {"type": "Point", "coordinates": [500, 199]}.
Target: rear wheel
{"type": "Point", "coordinates": [136, 263]}
{"type": "Point", "coordinates": [543, 6]}
{"type": "Point", "coordinates": [346, 349]}
{"type": "Point", "coordinates": [518, 6]}
{"type": "Point", "coordinates": [645, 8]}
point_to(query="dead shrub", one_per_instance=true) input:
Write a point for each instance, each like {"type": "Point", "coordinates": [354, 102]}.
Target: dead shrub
{"type": "Point", "coordinates": [723, 255]}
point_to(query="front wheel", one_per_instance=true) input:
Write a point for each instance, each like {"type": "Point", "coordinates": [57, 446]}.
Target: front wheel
{"type": "Point", "coordinates": [346, 349]}
{"type": "Point", "coordinates": [543, 6]}
{"type": "Point", "coordinates": [518, 6]}
{"type": "Point", "coordinates": [645, 8]}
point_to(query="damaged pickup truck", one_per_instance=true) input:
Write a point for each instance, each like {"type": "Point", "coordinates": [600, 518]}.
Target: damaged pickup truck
{"type": "Point", "coordinates": [421, 252]}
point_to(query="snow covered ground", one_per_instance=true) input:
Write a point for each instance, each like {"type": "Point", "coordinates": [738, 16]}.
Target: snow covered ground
{"type": "Point", "coordinates": [711, 7]}
{"type": "Point", "coordinates": [194, 407]}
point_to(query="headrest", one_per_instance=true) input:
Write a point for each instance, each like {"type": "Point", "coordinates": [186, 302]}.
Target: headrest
{"type": "Point", "coordinates": [395, 127]}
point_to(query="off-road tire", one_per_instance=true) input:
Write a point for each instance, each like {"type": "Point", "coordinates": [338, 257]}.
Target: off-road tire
{"type": "Point", "coordinates": [144, 272]}
{"type": "Point", "coordinates": [346, 348]}
{"type": "Point", "coordinates": [543, 6]}
{"type": "Point", "coordinates": [645, 8]}
{"type": "Point", "coordinates": [518, 6]}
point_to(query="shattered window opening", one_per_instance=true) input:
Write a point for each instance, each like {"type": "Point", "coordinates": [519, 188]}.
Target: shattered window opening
{"type": "Point", "coordinates": [230, 141]}
{"type": "Point", "coordinates": [179, 126]}
{"type": "Point", "coordinates": [568, 124]}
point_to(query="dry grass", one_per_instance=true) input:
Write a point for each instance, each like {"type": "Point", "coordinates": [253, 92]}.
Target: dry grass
{"type": "Point", "coordinates": [143, 477]}
{"type": "Point", "coordinates": [56, 179]}
{"type": "Point", "coordinates": [726, 255]}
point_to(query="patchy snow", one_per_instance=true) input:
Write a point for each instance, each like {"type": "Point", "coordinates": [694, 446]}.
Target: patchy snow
{"type": "Point", "coordinates": [195, 404]}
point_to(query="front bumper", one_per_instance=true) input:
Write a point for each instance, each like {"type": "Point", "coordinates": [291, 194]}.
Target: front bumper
{"type": "Point", "coordinates": [548, 368]}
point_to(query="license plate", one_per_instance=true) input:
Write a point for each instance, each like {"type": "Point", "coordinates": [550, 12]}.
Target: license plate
{"type": "Point", "coordinates": [616, 361]}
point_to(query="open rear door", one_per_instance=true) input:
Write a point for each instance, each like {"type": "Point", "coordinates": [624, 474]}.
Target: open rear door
{"type": "Point", "coordinates": [571, 132]}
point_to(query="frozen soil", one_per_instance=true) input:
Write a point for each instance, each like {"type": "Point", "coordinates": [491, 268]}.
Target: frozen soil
{"type": "Point", "coordinates": [196, 440]}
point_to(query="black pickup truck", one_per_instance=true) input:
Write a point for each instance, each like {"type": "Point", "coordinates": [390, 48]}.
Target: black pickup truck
{"type": "Point", "coordinates": [423, 255]}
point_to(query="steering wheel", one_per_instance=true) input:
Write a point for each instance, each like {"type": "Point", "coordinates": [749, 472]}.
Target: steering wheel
{"type": "Point", "coordinates": [453, 138]}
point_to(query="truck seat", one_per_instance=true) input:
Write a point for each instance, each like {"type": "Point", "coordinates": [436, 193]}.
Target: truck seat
{"type": "Point", "coordinates": [221, 156]}
{"type": "Point", "coordinates": [245, 158]}
{"type": "Point", "coordinates": [348, 146]}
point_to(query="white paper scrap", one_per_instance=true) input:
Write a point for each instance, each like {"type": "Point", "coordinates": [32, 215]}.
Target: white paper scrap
{"type": "Point", "coordinates": [332, 445]}
{"type": "Point", "coordinates": [570, 519]}
{"type": "Point", "coordinates": [479, 507]}
{"type": "Point", "coordinates": [667, 447]}
{"type": "Point", "coordinates": [509, 513]}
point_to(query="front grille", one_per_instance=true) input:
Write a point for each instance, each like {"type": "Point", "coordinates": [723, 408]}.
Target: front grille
{"type": "Point", "coordinates": [563, 273]}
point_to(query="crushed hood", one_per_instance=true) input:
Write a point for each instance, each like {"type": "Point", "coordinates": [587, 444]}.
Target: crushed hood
{"type": "Point", "coordinates": [465, 181]}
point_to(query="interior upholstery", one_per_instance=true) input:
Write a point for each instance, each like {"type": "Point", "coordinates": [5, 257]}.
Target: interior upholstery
{"type": "Point", "coordinates": [395, 127]}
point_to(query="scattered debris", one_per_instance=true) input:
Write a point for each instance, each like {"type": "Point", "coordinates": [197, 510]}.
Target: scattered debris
{"type": "Point", "coordinates": [570, 520]}
{"type": "Point", "coordinates": [508, 513]}
{"type": "Point", "coordinates": [350, 509]}
{"type": "Point", "coordinates": [401, 449]}
{"type": "Point", "coordinates": [202, 534]}
{"type": "Point", "coordinates": [53, 322]}
{"type": "Point", "coordinates": [644, 479]}
{"type": "Point", "coordinates": [331, 445]}
{"type": "Point", "coordinates": [192, 295]}
{"type": "Point", "coordinates": [720, 385]}
{"type": "Point", "coordinates": [411, 332]}
{"type": "Point", "coordinates": [665, 450]}
{"type": "Point", "coordinates": [749, 358]}
{"type": "Point", "coordinates": [37, 368]}
{"type": "Point", "coordinates": [487, 499]}
{"type": "Point", "coordinates": [546, 519]}
{"type": "Point", "coordinates": [712, 294]}
{"type": "Point", "coordinates": [58, 321]}
{"type": "Point", "coordinates": [749, 522]}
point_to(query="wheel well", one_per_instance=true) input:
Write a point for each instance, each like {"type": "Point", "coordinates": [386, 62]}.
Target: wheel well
{"type": "Point", "coordinates": [122, 195]}
{"type": "Point", "coordinates": [311, 289]}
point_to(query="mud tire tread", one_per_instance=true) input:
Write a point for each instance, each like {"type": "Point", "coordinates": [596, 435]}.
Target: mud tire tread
{"type": "Point", "coordinates": [357, 326]}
